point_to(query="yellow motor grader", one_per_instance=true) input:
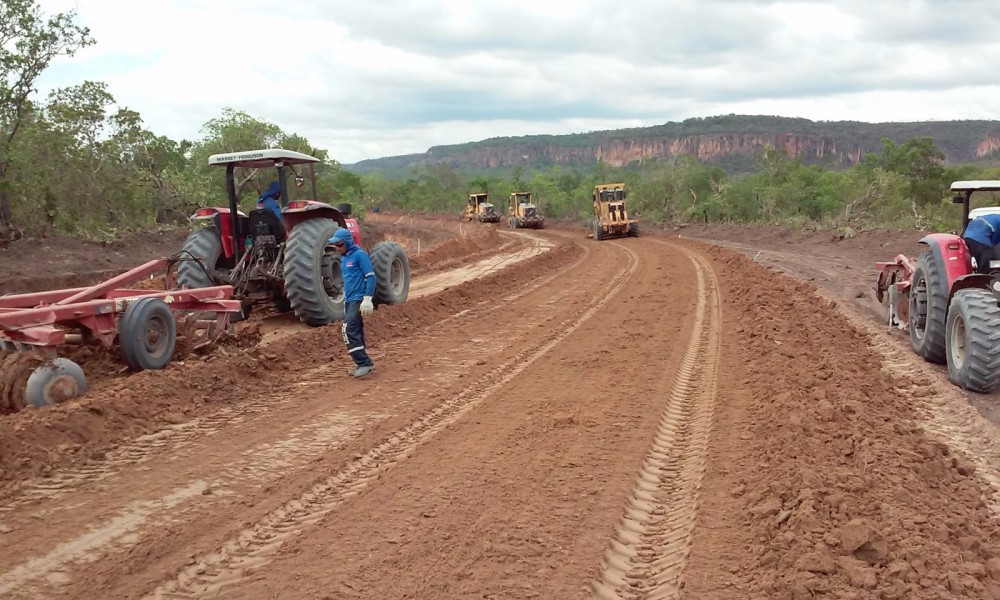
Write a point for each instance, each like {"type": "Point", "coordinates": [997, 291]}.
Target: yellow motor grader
{"type": "Point", "coordinates": [480, 209]}
{"type": "Point", "coordinates": [522, 213]}
{"type": "Point", "coordinates": [610, 217]}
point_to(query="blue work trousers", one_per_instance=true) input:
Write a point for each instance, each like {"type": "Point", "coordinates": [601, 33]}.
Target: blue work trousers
{"type": "Point", "coordinates": [354, 334]}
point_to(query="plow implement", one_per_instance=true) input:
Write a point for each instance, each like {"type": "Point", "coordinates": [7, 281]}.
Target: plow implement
{"type": "Point", "coordinates": [143, 323]}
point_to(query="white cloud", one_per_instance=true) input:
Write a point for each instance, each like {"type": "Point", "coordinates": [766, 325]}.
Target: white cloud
{"type": "Point", "coordinates": [371, 79]}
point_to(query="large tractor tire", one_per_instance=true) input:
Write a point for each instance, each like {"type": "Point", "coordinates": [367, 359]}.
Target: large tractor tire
{"type": "Point", "coordinates": [973, 334]}
{"type": "Point", "coordinates": [928, 307]}
{"type": "Point", "coordinates": [633, 230]}
{"type": "Point", "coordinates": [206, 245]}
{"type": "Point", "coordinates": [392, 273]}
{"type": "Point", "coordinates": [313, 281]}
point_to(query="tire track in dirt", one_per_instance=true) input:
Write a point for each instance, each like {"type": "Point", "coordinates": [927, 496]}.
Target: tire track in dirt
{"type": "Point", "coordinates": [650, 545]}
{"type": "Point", "coordinates": [182, 435]}
{"type": "Point", "coordinates": [438, 281]}
{"type": "Point", "coordinates": [430, 283]}
{"type": "Point", "coordinates": [255, 546]}
{"type": "Point", "coordinates": [261, 462]}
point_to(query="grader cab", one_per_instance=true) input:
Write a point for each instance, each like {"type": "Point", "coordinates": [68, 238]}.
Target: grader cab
{"type": "Point", "coordinates": [480, 209]}
{"type": "Point", "coordinates": [611, 219]}
{"type": "Point", "coordinates": [522, 213]}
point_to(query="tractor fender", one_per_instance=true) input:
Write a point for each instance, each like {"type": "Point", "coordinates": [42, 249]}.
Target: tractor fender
{"type": "Point", "coordinates": [950, 251]}
{"type": "Point", "coordinates": [976, 281]}
{"type": "Point", "coordinates": [223, 224]}
{"type": "Point", "coordinates": [301, 211]}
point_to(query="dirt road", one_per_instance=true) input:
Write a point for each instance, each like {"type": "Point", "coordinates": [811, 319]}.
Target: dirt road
{"type": "Point", "coordinates": [639, 418]}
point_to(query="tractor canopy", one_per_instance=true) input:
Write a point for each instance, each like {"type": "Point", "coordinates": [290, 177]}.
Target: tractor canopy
{"type": "Point", "coordinates": [259, 159]}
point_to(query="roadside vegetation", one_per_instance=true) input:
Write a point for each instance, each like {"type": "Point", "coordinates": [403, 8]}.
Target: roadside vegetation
{"type": "Point", "coordinates": [77, 162]}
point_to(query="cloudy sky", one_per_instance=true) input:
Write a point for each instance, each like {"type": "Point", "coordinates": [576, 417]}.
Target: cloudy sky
{"type": "Point", "coordinates": [373, 78]}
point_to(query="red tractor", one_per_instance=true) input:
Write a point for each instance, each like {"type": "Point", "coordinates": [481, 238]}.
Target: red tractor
{"type": "Point", "coordinates": [288, 262]}
{"type": "Point", "coordinates": [952, 312]}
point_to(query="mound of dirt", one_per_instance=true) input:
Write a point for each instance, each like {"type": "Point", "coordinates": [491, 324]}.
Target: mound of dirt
{"type": "Point", "coordinates": [832, 483]}
{"type": "Point", "coordinates": [453, 251]}
{"type": "Point", "coordinates": [863, 247]}
{"type": "Point", "coordinates": [60, 261]}
{"type": "Point", "coordinates": [32, 442]}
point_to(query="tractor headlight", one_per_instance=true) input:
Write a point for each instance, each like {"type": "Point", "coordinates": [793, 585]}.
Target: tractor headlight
{"type": "Point", "coordinates": [996, 286]}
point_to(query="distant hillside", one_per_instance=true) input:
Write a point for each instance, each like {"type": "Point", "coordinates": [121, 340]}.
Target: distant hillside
{"type": "Point", "coordinates": [729, 141]}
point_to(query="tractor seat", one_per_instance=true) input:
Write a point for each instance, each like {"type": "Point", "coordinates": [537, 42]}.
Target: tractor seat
{"type": "Point", "coordinates": [274, 226]}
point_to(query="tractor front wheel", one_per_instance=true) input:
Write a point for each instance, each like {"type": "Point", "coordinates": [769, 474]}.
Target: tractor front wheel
{"type": "Point", "coordinates": [314, 284]}
{"type": "Point", "coordinates": [392, 273]}
{"type": "Point", "coordinates": [633, 230]}
{"type": "Point", "coordinates": [928, 307]}
{"type": "Point", "coordinates": [973, 333]}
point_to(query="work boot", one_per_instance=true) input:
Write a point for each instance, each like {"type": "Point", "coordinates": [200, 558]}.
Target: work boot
{"type": "Point", "coordinates": [362, 370]}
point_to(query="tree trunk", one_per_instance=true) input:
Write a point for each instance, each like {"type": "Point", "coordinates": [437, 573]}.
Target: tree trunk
{"type": "Point", "coordinates": [6, 214]}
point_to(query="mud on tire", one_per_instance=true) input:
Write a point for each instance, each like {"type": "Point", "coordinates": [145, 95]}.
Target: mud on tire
{"type": "Point", "coordinates": [973, 336]}
{"type": "Point", "coordinates": [206, 245]}
{"type": "Point", "coordinates": [313, 281]}
{"type": "Point", "coordinates": [392, 273]}
{"type": "Point", "coordinates": [928, 305]}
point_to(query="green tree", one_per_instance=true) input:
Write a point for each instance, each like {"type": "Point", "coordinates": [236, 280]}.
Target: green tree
{"type": "Point", "coordinates": [919, 161]}
{"type": "Point", "coordinates": [28, 44]}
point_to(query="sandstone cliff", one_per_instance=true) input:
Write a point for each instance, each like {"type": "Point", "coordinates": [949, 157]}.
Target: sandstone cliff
{"type": "Point", "coordinates": [721, 140]}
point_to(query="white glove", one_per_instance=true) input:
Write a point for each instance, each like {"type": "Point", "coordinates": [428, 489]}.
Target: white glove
{"type": "Point", "coordinates": [366, 306]}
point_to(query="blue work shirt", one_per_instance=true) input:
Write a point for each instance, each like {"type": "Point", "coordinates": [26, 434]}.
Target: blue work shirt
{"type": "Point", "coordinates": [272, 205]}
{"type": "Point", "coordinates": [984, 229]}
{"type": "Point", "coordinates": [359, 276]}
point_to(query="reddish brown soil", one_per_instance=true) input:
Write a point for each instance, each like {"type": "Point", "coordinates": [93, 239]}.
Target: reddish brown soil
{"type": "Point", "coordinates": [128, 404]}
{"type": "Point", "coordinates": [845, 268]}
{"type": "Point", "coordinates": [839, 492]}
{"type": "Point", "coordinates": [639, 409]}
{"type": "Point", "coordinates": [58, 261]}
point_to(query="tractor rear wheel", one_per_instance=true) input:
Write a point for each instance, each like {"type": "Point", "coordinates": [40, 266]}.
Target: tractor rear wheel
{"type": "Point", "coordinates": [205, 245]}
{"type": "Point", "coordinates": [973, 333]}
{"type": "Point", "coordinates": [392, 273]}
{"type": "Point", "coordinates": [928, 307]}
{"type": "Point", "coordinates": [313, 281]}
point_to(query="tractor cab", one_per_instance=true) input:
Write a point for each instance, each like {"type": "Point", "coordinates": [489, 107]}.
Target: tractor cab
{"type": "Point", "coordinates": [965, 190]}
{"type": "Point", "coordinates": [521, 205]}
{"type": "Point", "coordinates": [949, 307]}
{"type": "Point", "coordinates": [481, 209]}
{"type": "Point", "coordinates": [262, 226]}
{"type": "Point", "coordinates": [522, 213]}
{"type": "Point", "coordinates": [611, 219]}
{"type": "Point", "coordinates": [281, 252]}
{"type": "Point", "coordinates": [613, 201]}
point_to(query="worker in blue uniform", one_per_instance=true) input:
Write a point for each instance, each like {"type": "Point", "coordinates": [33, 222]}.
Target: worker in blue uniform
{"type": "Point", "coordinates": [981, 236]}
{"type": "Point", "coordinates": [359, 287]}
